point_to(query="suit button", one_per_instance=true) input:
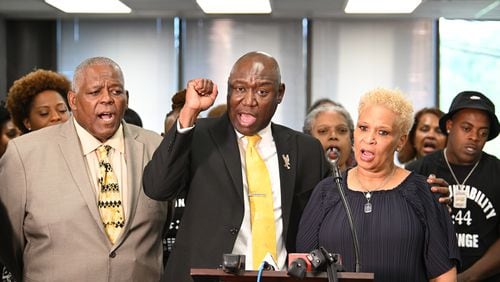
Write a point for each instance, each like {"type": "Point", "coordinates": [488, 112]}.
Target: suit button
{"type": "Point", "coordinates": [112, 255]}
{"type": "Point", "coordinates": [234, 231]}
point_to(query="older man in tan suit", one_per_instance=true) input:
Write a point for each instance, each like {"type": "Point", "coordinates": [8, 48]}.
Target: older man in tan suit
{"type": "Point", "coordinates": [69, 214]}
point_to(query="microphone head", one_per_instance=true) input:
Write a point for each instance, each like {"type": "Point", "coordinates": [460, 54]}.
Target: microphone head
{"type": "Point", "coordinates": [298, 265]}
{"type": "Point", "coordinates": [297, 268]}
{"type": "Point", "coordinates": [270, 261]}
{"type": "Point", "coordinates": [232, 263]}
{"type": "Point", "coordinates": [302, 258]}
{"type": "Point", "coordinates": [332, 154]}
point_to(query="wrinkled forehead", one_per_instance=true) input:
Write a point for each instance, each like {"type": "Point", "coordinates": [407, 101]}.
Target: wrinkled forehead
{"type": "Point", "coordinates": [255, 70]}
{"type": "Point", "coordinates": [104, 70]}
{"type": "Point", "coordinates": [101, 73]}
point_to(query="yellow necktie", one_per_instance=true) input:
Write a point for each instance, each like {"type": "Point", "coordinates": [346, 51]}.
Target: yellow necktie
{"type": "Point", "coordinates": [110, 200]}
{"type": "Point", "coordinates": [261, 204]}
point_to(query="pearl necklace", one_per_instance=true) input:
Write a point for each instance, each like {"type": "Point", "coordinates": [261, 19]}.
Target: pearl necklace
{"type": "Point", "coordinates": [368, 194]}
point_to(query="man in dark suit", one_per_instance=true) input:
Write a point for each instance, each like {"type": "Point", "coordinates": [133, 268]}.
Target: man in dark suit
{"type": "Point", "coordinates": [206, 158]}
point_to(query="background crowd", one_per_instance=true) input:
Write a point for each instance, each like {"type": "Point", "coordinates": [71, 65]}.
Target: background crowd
{"type": "Point", "coordinates": [152, 207]}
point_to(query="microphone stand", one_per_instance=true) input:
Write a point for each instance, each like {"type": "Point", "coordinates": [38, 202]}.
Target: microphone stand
{"type": "Point", "coordinates": [337, 177]}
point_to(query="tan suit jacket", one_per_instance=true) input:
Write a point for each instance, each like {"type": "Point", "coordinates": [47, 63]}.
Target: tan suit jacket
{"type": "Point", "coordinates": [50, 224]}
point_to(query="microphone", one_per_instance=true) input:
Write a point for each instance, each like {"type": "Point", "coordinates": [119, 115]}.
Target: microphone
{"type": "Point", "coordinates": [233, 263]}
{"type": "Point", "coordinates": [300, 262]}
{"type": "Point", "coordinates": [333, 156]}
{"type": "Point", "coordinates": [270, 263]}
{"type": "Point", "coordinates": [298, 265]}
{"type": "Point", "coordinates": [337, 177]}
{"type": "Point", "coordinates": [267, 263]}
{"type": "Point", "coordinates": [315, 261]}
{"type": "Point", "coordinates": [297, 268]}
{"type": "Point", "coordinates": [320, 258]}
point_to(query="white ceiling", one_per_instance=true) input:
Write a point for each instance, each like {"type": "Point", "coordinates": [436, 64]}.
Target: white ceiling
{"type": "Point", "coordinates": [463, 9]}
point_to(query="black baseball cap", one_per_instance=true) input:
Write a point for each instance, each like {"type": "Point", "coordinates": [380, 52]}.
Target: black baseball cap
{"type": "Point", "coordinates": [472, 100]}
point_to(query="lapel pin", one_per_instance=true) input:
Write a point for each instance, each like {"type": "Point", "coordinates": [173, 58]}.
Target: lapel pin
{"type": "Point", "coordinates": [286, 159]}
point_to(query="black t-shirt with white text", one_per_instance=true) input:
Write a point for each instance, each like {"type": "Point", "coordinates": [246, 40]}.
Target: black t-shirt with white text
{"type": "Point", "coordinates": [477, 223]}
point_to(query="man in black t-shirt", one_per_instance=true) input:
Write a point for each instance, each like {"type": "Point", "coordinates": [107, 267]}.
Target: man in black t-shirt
{"type": "Point", "coordinates": [474, 182]}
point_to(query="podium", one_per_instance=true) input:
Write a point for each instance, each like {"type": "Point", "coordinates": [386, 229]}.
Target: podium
{"type": "Point", "coordinates": [203, 274]}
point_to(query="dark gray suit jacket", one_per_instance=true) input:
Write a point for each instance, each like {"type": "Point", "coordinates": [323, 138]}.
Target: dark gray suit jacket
{"type": "Point", "coordinates": [206, 162]}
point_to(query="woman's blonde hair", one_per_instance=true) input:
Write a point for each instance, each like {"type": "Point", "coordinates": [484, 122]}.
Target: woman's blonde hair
{"type": "Point", "coordinates": [393, 100]}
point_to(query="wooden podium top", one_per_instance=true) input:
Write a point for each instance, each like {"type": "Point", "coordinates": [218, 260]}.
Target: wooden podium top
{"type": "Point", "coordinates": [199, 274]}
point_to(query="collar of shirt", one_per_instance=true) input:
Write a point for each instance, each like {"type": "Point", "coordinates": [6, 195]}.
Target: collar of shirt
{"type": "Point", "coordinates": [265, 145]}
{"type": "Point", "coordinates": [90, 143]}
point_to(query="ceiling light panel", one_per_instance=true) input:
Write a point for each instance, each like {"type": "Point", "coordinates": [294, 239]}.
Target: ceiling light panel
{"type": "Point", "coordinates": [381, 6]}
{"type": "Point", "coordinates": [90, 6]}
{"type": "Point", "coordinates": [235, 6]}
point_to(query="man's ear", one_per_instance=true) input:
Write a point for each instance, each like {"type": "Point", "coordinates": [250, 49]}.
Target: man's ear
{"type": "Point", "coordinates": [72, 100]}
{"type": "Point", "coordinates": [281, 92]}
{"type": "Point", "coordinates": [449, 125]}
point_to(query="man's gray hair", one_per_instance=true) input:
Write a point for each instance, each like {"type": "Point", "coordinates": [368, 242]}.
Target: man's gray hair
{"type": "Point", "coordinates": [77, 75]}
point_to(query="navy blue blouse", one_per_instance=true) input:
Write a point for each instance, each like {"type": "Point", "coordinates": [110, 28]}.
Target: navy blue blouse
{"type": "Point", "coordinates": [408, 236]}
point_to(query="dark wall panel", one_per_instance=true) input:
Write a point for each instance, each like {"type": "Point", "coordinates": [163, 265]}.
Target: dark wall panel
{"type": "Point", "coordinates": [3, 60]}
{"type": "Point", "coordinates": [31, 44]}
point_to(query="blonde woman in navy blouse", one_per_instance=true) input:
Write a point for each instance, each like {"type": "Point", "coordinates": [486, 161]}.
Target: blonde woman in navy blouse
{"type": "Point", "coordinates": [404, 233]}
